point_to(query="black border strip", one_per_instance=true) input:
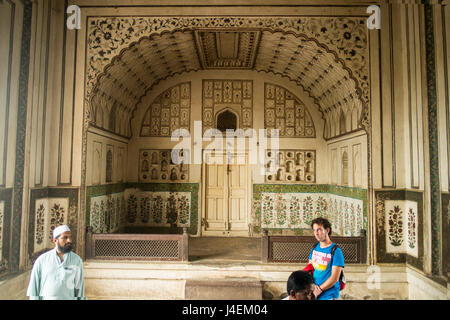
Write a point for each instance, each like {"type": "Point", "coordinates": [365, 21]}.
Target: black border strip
{"type": "Point", "coordinates": [436, 223]}
{"type": "Point", "coordinates": [19, 170]}
{"type": "Point", "coordinates": [61, 107]}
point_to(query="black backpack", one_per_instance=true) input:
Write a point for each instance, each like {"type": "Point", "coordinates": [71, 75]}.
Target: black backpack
{"type": "Point", "coordinates": [342, 281]}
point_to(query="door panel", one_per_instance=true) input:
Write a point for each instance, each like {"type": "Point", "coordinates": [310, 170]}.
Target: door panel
{"type": "Point", "coordinates": [216, 198]}
{"type": "Point", "coordinates": [238, 189]}
{"type": "Point", "coordinates": [226, 197]}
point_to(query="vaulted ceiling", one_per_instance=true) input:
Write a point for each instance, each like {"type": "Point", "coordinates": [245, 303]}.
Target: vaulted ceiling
{"type": "Point", "coordinates": [143, 64]}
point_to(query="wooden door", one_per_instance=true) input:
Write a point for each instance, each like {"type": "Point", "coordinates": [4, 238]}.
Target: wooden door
{"type": "Point", "coordinates": [227, 188]}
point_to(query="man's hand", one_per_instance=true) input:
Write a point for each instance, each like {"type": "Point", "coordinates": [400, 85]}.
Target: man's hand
{"type": "Point", "coordinates": [317, 291]}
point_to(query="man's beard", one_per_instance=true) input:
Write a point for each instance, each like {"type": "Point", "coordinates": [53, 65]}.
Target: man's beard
{"type": "Point", "coordinates": [65, 249]}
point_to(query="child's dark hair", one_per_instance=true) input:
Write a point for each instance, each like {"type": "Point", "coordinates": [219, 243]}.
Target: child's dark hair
{"type": "Point", "coordinates": [322, 222]}
{"type": "Point", "coordinates": [299, 281]}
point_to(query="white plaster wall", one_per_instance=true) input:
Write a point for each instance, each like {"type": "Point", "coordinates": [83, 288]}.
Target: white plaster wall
{"type": "Point", "coordinates": [356, 146]}
{"type": "Point", "coordinates": [101, 141]}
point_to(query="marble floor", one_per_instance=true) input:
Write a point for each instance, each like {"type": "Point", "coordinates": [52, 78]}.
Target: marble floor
{"type": "Point", "coordinates": [224, 248]}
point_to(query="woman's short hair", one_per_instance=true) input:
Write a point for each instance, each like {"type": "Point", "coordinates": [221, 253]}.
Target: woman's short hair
{"type": "Point", "coordinates": [322, 222]}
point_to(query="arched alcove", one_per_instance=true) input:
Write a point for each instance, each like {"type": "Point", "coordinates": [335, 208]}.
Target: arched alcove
{"type": "Point", "coordinates": [227, 120]}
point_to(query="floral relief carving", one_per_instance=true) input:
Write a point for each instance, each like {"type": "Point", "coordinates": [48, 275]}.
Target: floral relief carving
{"type": "Point", "coordinates": [107, 36]}
{"type": "Point", "coordinates": [132, 209]}
{"type": "Point", "coordinates": [57, 217]}
{"type": "Point", "coordinates": [297, 210]}
{"type": "Point", "coordinates": [157, 209]}
{"type": "Point", "coordinates": [308, 210]}
{"type": "Point", "coordinates": [412, 240]}
{"type": "Point", "coordinates": [40, 224]}
{"type": "Point", "coordinates": [184, 210]}
{"type": "Point", "coordinates": [395, 231]}
{"type": "Point", "coordinates": [95, 218]}
{"type": "Point", "coordinates": [280, 210]}
{"type": "Point", "coordinates": [343, 39]}
{"type": "Point", "coordinates": [171, 210]}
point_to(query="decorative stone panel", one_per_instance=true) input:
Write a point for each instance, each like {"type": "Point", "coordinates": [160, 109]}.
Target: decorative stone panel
{"type": "Point", "coordinates": [107, 212]}
{"type": "Point", "coordinates": [49, 213]}
{"type": "Point", "coordinates": [294, 166]}
{"type": "Point", "coordinates": [401, 227]}
{"type": "Point", "coordinates": [171, 110]}
{"type": "Point", "coordinates": [158, 209]}
{"type": "Point", "coordinates": [232, 95]}
{"type": "Point", "coordinates": [399, 216]}
{"type": "Point", "coordinates": [157, 166]}
{"type": "Point", "coordinates": [226, 49]}
{"type": "Point", "coordinates": [49, 208]}
{"type": "Point", "coordinates": [285, 112]}
{"type": "Point", "coordinates": [297, 210]}
{"type": "Point", "coordinates": [291, 208]}
{"type": "Point", "coordinates": [111, 208]}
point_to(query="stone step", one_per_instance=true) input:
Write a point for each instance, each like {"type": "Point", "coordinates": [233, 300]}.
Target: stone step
{"type": "Point", "coordinates": [231, 289]}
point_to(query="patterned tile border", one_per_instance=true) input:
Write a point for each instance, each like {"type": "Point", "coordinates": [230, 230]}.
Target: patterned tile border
{"type": "Point", "coordinates": [72, 211]}
{"type": "Point", "coordinates": [6, 196]}
{"type": "Point", "coordinates": [193, 188]}
{"type": "Point", "coordinates": [19, 170]}
{"type": "Point", "coordinates": [436, 265]}
{"type": "Point", "coordinates": [382, 255]}
{"type": "Point", "coordinates": [258, 189]}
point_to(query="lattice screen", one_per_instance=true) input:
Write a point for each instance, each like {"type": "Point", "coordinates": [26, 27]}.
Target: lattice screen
{"type": "Point", "coordinates": [137, 248]}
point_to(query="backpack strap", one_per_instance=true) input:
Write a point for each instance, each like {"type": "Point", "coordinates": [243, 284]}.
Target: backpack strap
{"type": "Point", "coordinates": [332, 253]}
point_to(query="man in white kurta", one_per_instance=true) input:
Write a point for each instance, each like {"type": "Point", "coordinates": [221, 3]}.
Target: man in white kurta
{"type": "Point", "coordinates": [58, 274]}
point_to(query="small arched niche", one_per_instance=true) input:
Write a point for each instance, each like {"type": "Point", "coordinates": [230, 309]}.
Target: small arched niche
{"type": "Point", "coordinates": [227, 120]}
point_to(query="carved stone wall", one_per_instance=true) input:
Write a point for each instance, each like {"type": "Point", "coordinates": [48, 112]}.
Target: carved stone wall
{"type": "Point", "coordinates": [171, 110]}
{"type": "Point", "coordinates": [233, 95]}
{"type": "Point", "coordinates": [158, 209]}
{"type": "Point", "coordinates": [117, 207]}
{"type": "Point", "coordinates": [400, 227]}
{"type": "Point", "coordinates": [49, 214]}
{"type": "Point", "coordinates": [158, 166]}
{"type": "Point", "coordinates": [328, 57]}
{"type": "Point", "coordinates": [285, 112]}
{"type": "Point", "coordinates": [290, 209]}
{"type": "Point", "coordinates": [107, 213]}
{"type": "Point", "coordinates": [294, 166]}
{"type": "Point", "coordinates": [49, 208]}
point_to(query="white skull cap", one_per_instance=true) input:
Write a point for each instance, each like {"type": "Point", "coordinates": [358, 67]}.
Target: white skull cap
{"type": "Point", "coordinates": [60, 230]}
